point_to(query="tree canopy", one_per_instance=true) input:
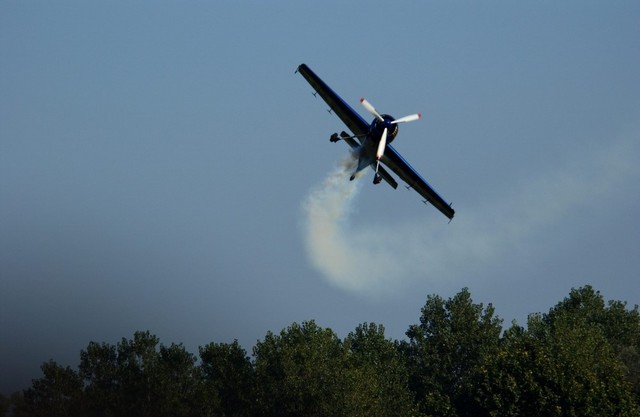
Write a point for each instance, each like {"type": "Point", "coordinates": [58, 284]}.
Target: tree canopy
{"type": "Point", "coordinates": [582, 358]}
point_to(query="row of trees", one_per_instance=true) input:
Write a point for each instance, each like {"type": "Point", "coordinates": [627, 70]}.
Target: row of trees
{"type": "Point", "coordinates": [582, 358]}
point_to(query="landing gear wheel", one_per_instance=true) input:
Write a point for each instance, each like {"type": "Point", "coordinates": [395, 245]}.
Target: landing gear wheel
{"type": "Point", "coordinates": [377, 179]}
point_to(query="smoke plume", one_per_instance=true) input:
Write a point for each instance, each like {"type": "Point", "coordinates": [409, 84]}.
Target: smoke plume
{"type": "Point", "coordinates": [326, 211]}
{"type": "Point", "coordinates": [350, 259]}
{"type": "Point", "coordinates": [399, 252]}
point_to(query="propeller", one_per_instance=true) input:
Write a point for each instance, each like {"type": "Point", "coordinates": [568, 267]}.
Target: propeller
{"type": "Point", "coordinates": [381, 146]}
{"type": "Point", "coordinates": [383, 139]}
{"type": "Point", "coordinates": [410, 118]}
{"type": "Point", "coordinates": [371, 109]}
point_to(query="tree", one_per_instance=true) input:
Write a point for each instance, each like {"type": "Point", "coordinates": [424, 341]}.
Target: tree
{"type": "Point", "coordinates": [5, 404]}
{"type": "Point", "coordinates": [229, 379]}
{"type": "Point", "coordinates": [448, 354]}
{"type": "Point", "coordinates": [581, 367]}
{"type": "Point", "coordinates": [621, 327]}
{"type": "Point", "coordinates": [579, 359]}
{"type": "Point", "coordinates": [138, 365]}
{"type": "Point", "coordinates": [57, 393]}
{"type": "Point", "coordinates": [563, 364]}
{"type": "Point", "coordinates": [17, 404]}
{"type": "Point", "coordinates": [376, 377]}
{"type": "Point", "coordinates": [99, 370]}
{"type": "Point", "coordinates": [299, 372]}
{"type": "Point", "coordinates": [178, 384]}
{"type": "Point", "coordinates": [139, 378]}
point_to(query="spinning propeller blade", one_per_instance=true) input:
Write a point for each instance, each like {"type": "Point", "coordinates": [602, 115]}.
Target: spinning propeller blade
{"type": "Point", "coordinates": [379, 153]}
{"type": "Point", "coordinates": [410, 118]}
{"type": "Point", "coordinates": [370, 109]}
{"type": "Point", "coordinates": [382, 144]}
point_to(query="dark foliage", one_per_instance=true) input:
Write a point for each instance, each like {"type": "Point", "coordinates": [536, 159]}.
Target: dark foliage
{"type": "Point", "coordinates": [580, 359]}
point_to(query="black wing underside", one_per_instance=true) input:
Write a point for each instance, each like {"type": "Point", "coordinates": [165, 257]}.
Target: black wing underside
{"type": "Point", "coordinates": [349, 117]}
{"type": "Point", "coordinates": [396, 162]}
{"type": "Point", "coordinates": [360, 129]}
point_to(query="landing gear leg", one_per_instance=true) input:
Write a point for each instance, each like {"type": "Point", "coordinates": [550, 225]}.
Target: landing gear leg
{"type": "Point", "coordinates": [377, 178]}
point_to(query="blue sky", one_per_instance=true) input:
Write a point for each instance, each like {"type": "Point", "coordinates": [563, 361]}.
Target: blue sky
{"type": "Point", "coordinates": [155, 161]}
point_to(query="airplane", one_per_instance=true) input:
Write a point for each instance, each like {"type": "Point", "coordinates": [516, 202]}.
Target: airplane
{"type": "Point", "coordinates": [371, 142]}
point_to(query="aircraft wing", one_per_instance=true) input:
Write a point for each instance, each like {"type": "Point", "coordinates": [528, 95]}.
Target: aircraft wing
{"type": "Point", "coordinates": [349, 117]}
{"type": "Point", "coordinates": [360, 128]}
{"type": "Point", "coordinates": [397, 164]}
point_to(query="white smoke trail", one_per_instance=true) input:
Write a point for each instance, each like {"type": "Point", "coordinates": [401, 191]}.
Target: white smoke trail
{"type": "Point", "coordinates": [326, 210]}
{"type": "Point", "coordinates": [388, 257]}
{"type": "Point", "coordinates": [350, 259]}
